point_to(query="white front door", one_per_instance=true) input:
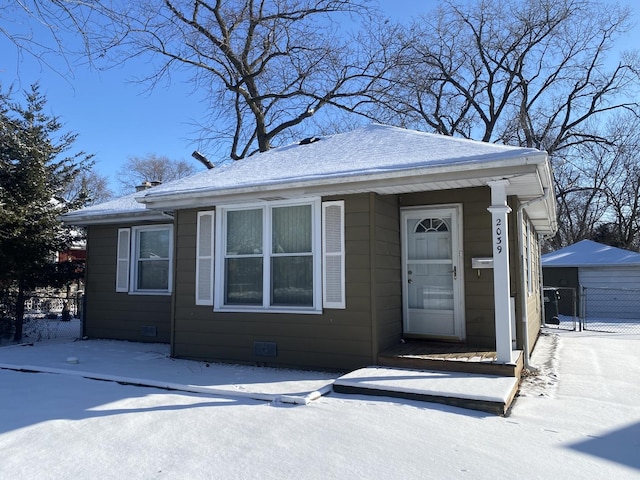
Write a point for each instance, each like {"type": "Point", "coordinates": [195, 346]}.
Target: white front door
{"type": "Point", "coordinates": [432, 272]}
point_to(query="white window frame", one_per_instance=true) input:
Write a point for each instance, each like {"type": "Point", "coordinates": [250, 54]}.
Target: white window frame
{"type": "Point", "coordinates": [220, 252]}
{"type": "Point", "coordinates": [133, 263]}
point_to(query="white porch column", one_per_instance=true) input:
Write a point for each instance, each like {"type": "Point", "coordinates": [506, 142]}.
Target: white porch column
{"type": "Point", "coordinates": [501, 277]}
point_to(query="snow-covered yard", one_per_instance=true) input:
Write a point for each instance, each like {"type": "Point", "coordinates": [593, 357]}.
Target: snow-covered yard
{"type": "Point", "coordinates": [599, 324]}
{"type": "Point", "coordinates": [579, 419]}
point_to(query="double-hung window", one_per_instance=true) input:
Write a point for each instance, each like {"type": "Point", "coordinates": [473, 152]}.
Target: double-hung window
{"type": "Point", "coordinates": [145, 259]}
{"type": "Point", "coordinates": [269, 257]}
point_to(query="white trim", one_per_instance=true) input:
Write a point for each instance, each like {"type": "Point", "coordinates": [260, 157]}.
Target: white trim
{"type": "Point", "coordinates": [501, 274]}
{"type": "Point", "coordinates": [333, 255]}
{"type": "Point", "coordinates": [123, 258]}
{"type": "Point", "coordinates": [205, 258]}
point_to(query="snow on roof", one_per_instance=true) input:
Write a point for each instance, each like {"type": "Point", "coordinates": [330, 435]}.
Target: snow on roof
{"type": "Point", "coordinates": [122, 206]}
{"type": "Point", "coordinates": [377, 153]}
{"type": "Point", "coordinates": [365, 151]}
{"type": "Point", "coordinates": [587, 253]}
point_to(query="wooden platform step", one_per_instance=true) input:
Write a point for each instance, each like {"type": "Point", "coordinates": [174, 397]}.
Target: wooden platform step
{"type": "Point", "coordinates": [488, 393]}
{"type": "Point", "coordinates": [450, 358]}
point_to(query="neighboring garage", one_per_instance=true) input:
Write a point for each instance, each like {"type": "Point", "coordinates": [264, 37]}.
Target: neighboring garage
{"type": "Point", "coordinates": [610, 276]}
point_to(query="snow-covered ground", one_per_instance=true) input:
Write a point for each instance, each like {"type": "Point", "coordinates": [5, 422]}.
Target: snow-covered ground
{"type": "Point", "coordinates": [599, 324]}
{"type": "Point", "coordinates": [579, 418]}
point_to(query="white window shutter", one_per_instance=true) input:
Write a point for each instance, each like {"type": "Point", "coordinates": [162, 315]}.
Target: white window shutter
{"type": "Point", "coordinates": [123, 259]}
{"type": "Point", "coordinates": [333, 274]}
{"type": "Point", "coordinates": [204, 258]}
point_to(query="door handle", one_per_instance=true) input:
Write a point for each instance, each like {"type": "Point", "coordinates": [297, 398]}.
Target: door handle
{"type": "Point", "coordinates": [455, 272]}
{"type": "Point", "coordinates": [410, 281]}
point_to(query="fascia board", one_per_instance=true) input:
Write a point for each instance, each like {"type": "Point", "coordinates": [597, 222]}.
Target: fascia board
{"type": "Point", "coordinates": [113, 218]}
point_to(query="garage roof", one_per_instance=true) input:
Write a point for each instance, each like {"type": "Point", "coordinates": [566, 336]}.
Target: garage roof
{"type": "Point", "coordinates": [587, 253]}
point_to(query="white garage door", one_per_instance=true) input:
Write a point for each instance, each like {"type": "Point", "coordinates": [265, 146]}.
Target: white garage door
{"type": "Point", "coordinates": [611, 292]}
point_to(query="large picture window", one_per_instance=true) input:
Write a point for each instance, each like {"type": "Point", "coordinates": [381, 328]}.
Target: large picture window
{"type": "Point", "coordinates": [271, 257]}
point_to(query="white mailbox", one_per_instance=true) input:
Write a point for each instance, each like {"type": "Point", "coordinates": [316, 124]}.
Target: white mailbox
{"type": "Point", "coordinates": [482, 262]}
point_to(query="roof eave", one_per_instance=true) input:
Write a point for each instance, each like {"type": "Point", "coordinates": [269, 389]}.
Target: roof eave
{"type": "Point", "coordinates": [373, 181]}
{"type": "Point", "coordinates": [112, 218]}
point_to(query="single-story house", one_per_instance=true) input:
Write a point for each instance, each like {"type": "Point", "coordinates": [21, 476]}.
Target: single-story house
{"type": "Point", "coordinates": [593, 265]}
{"type": "Point", "coordinates": [326, 252]}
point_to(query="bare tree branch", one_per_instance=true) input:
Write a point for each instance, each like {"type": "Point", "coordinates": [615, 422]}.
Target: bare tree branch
{"type": "Point", "coordinates": [266, 67]}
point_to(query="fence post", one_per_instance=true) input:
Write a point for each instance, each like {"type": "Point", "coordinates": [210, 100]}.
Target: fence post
{"type": "Point", "coordinates": [583, 307]}
{"type": "Point", "coordinates": [574, 300]}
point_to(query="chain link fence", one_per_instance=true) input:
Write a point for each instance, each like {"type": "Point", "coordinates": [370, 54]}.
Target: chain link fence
{"type": "Point", "coordinates": [45, 317]}
{"type": "Point", "coordinates": [615, 310]}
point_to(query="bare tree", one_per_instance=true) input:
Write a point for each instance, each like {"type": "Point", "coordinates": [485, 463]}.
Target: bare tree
{"type": "Point", "coordinates": [597, 186]}
{"type": "Point", "coordinates": [622, 185]}
{"type": "Point", "coordinates": [41, 29]}
{"type": "Point", "coordinates": [264, 67]}
{"type": "Point", "coordinates": [521, 72]}
{"type": "Point", "coordinates": [580, 182]}
{"type": "Point", "coordinates": [91, 184]}
{"type": "Point", "coordinates": [151, 168]}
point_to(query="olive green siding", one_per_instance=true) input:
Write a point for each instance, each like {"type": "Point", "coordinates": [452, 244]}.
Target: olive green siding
{"type": "Point", "coordinates": [334, 339]}
{"type": "Point", "coordinates": [119, 315]}
{"type": "Point", "coordinates": [387, 271]}
{"type": "Point", "coordinates": [372, 320]}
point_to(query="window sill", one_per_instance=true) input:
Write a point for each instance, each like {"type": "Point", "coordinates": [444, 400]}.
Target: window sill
{"type": "Point", "coordinates": [278, 310]}
{"type": "Point", "coordinates": [150, 293]}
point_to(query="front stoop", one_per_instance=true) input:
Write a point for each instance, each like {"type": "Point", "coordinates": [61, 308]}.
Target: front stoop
{"type": "Point", "coordinates": [487, 393]}
{"type": "Point", "coordinates": [449, 358]}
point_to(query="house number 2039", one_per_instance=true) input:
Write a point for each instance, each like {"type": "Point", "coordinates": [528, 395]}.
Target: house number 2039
{"type": "Point", "coordinates": [498, 236]}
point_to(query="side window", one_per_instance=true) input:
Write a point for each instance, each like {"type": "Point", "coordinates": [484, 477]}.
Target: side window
{"type": "Point", "coordinates": [145, 256]}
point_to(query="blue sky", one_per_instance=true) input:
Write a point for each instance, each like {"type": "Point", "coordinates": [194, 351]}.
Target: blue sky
{"type": "Point", "coordinates": [116, 118]}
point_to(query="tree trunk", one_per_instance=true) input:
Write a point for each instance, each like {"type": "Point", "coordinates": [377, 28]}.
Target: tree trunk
{"type": "Point", "coordinates": [17, 336]}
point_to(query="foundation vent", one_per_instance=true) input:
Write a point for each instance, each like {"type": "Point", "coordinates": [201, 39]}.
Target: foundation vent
{"type": "Point", "coordinates": [149, 331]}
{"type": "Point", "coordinates": [265, 349]}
